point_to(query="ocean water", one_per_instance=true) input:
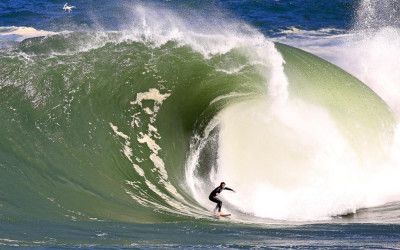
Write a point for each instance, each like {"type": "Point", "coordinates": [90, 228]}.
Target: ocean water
{"type": "Point", "coordinates": [119, 118]}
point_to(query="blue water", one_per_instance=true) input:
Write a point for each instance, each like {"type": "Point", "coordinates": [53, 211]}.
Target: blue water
{"type": "Point", "coordinates": [121, 116]}
{"type": "Point", "coordinates": [267, 16]}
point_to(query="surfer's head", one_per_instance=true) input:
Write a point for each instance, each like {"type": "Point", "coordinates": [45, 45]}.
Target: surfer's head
{"type": "Point", "coordinates": [222, 184]}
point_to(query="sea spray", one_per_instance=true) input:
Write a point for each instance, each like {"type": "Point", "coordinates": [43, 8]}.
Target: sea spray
{"type": "Point", "coordinates": [374, 50]}
{"type": "Point", "coordinates": [369, 50]}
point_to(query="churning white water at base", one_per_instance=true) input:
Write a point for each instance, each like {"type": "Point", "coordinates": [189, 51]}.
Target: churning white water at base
{"type": "Point", "coordinates": [293, 164]}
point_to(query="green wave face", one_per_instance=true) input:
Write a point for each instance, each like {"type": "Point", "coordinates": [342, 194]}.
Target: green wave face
{"type": "Point", "coordinates": [100, 127]}
{"type": "Point", "coordinates": [103, 133]}
{"type": "Point", "coordinates": [361, 116]}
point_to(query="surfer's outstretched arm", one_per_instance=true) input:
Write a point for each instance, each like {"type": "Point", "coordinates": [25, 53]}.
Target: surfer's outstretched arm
{"type": "Point", "coordinates": [230, 189]}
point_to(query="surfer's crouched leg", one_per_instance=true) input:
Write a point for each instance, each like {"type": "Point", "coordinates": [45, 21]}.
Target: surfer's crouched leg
{"type": "Point", "coordinates": [218, 201]}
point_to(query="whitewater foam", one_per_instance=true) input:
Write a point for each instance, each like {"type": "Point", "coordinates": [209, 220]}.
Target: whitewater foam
{"type": "Point", "coordinates": [291, 164]}
{"type": "Point", "coordinates": [287, 159]}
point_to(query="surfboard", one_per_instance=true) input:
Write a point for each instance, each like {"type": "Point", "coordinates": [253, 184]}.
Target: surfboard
{"type": "Point", "coordinates": [216, 215]}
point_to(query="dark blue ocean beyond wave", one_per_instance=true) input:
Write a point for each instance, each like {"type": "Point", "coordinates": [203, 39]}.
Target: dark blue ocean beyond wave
{"type": "Point", "coordinates": [268, 16]}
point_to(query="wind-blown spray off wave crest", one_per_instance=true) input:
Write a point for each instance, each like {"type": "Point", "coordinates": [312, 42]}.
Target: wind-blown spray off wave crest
{"type": "Point", "coordinates": [147, 118]}
{"type": "Point", "coordinates": [369, 50]}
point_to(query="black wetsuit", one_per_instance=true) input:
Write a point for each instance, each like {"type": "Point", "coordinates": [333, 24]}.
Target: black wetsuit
{"type": "Point", "coordinates": [213, 196]}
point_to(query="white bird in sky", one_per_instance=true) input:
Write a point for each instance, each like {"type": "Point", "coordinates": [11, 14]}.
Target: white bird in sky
{"type": "Point", "coordinates": [68, 7]}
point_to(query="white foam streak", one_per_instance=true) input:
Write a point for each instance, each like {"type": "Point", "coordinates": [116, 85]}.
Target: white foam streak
{"type": "Point", "coordinates": [115, 128]}
{"type": "Point", "coordinates": [233, 94]}
{"type": "Point", "coordinates": [159, 163]}
{"type": "Point", "coordinates": [127, 149]}
{"type": "Point", "coordinates": [153, 146]}
{"type": "Point", "coordinates": [153, 94]}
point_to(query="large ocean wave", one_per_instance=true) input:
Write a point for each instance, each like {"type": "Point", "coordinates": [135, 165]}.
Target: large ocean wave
{"type": "Point", "coordinates": [140, 124]}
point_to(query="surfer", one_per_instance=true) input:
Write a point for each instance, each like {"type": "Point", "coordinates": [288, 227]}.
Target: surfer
{"type": "Point", "coordinates": [213, 196]}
